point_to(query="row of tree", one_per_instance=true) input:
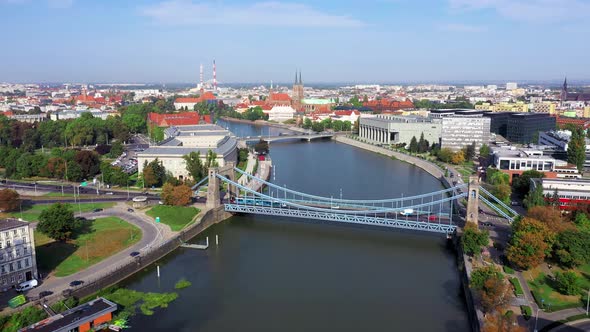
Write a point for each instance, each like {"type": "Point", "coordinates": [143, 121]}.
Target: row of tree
{"type": "Point", "coordinates": [73, 165]}
{"type": "Point", "coordinates": [328, 123]}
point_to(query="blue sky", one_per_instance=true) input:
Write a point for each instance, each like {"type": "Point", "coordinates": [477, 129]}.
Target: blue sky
{"type": "Point", "coordinates": [259, 41]}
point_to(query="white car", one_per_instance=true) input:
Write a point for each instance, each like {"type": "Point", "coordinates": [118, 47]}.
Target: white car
{"type": "Point", "coordinates": [24, 286]}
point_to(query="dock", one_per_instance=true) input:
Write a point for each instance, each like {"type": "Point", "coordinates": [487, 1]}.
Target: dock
{"type": "Point", "coordinates": [196, 246]}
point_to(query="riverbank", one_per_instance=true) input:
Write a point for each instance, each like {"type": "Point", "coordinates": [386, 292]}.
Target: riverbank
{"type": "Point", "coordinates": [427, 166]}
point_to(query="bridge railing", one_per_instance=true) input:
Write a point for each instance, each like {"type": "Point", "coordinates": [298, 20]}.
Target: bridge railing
{"type": "Point", "coordinates": [495, 199]}
{"type": "Point", "coordinates": [375, 202]}
{"type": "Point", "coordinates": [289, 204]}
{"type": "Point", "coordinates": [497, 209]}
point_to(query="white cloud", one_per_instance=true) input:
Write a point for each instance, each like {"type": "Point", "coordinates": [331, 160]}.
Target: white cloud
{"type": "Point", "coordinates": [542, 11]}
{"type": "Point", "coordinates": [459, 27]}
{"type": "Point", "coordinates": [187, 12]}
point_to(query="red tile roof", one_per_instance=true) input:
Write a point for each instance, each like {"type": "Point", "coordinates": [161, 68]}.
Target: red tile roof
{"type": "Point", "coordinates": [279, 97]}
{"type": "Point", "coordinates": [347, 113]}
{"type": "Point", "coordinates": [177, 119]}
{"type": "Point", "coordinates": [388, 105]}
{"type": "Point", "coordinates": [187, 100]}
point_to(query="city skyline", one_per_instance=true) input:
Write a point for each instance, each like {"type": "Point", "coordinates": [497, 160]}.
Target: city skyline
{"type": "Point", "coordinates": [256, 42]}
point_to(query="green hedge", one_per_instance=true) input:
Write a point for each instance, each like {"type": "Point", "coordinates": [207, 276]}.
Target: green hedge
{"type": "Point", "coordinates": [527, 312]}
{"type": "Point", "coordinates": [517, 287]}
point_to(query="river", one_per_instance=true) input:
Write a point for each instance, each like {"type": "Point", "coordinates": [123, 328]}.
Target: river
{"type": "Point", "coordinates": [274, 274]}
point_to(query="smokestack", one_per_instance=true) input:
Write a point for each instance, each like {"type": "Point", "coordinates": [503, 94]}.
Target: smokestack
{"type": "Point", "coordinates": [201, 75]}
{"type": "Point", "coordinates": [214, 77]}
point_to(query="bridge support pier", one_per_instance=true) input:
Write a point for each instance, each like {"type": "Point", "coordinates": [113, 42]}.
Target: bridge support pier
{"type": "Point", "coordinates": [213, 195]}
{"type": "Point", "coordinates": [473, 200]}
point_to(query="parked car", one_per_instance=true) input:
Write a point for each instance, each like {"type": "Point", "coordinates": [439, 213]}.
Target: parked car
{"type": "Point", "coordinates": [134, 254]}
{"type": "Point", "coordinates": [45, 293]}
{"type": "Point", "coordinates": [97, 210]}
{"type": "Point", "coordinates": [130, 210]}
{"type": "Point", "coordinates": [109, 193]}
{"type": "Point", "coordinates": [76, 283]}
{"type": "Point", "coordinates": [26, 285]}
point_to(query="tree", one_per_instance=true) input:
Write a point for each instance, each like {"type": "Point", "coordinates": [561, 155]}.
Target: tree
{"type": "Point", "coordinates": [261, 147]}
{"type": "Point", "coordinates": [445, 155]}
{"type": "Point", "coordinates": [9, 200]}
{"type": "Point", "coordinates": [413, 148]}
{"type": "Point", "coordinates": [422, 144]}
{"type": "Point", "coordinates": [480, 275]}
{"type": "Point", "coordinates": [576, 149]}
{"type": "Point", "coordinates": [534, 198]}
{"type": "Point", "coordinates": [89, 162]}
{"type": "Point", "coordinates": [458, 158]}
{"type": "Point", "coordinates": [484, 151]}
{"type": "Point", "coordinates": [317, 126]}
{"type": "Point", "coordinates": [572, 248]}
{"type": "Point", "coordinates": [495, 294]}
{"type": "Point", "coordinates": [116, 149]}
{"type": "Point", "coordinates": [176, 195]}
{"type": "Point", "coordinates": [495, 176]}
{"type": "Point", "coordinates": [58, 222]}
{"type": "Point", "coordinates": [307, 123]}
{"type": "Point", "coordinates": [154, 173]}
{"type": "Point", "coordinates": [582, 221]}
{"type": "Point", "coordinates": [194, 165]}
{"type": "Point", "coordinates": [567, 283]}
{"type": "Point", "coordinates": [473, 239]}
{"type": "Point", "coordinates": [529, 244]}
{"type": "Point", "coordinates": [502, 192]}
{"type": "Point", "coordinates": [550, 217]}
{"type": "Point", "coordinates": [521, 184]}
{"type": "Point", "coordinates": [211, 159]}
{"type": "Point", "coordinates": [469, 151]}
{"type": "Point", "coordinates": [135, 122]}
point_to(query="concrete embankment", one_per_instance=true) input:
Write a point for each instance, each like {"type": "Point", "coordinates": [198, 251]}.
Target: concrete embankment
{"type": "Point", "coordinates": [265, 123]}
{"type": "Point", "coordinates": [429, 167]}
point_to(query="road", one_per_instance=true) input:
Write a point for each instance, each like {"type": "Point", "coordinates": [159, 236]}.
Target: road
{"type": "Point", "coordinates": [69, 189]}
{"type": "Point", "coordinates": [152, 235]}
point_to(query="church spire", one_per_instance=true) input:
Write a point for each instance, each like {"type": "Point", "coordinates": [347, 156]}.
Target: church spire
{"type": "Point", "coordinates": [300, 82]}
{"type": "Point", "coordinates": [295, 76]}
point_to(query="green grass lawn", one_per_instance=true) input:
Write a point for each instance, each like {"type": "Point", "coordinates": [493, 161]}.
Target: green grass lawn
{"type": "Point", "coordinates": [517, 287]}
{"type": "Point", "coordinates": [102, 238]}
{"type": "Point", "coordinates": [542, 288]}
{"type": "Point", "coordinates": [32, 213]}
{"type": "Point", "coordinates": [177, 217]}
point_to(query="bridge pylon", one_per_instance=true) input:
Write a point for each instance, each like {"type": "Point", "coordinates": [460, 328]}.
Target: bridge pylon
{"type": "Point", "coordinates": [213, 195]}
{"type": "Point", "coordinates": [473, 200]}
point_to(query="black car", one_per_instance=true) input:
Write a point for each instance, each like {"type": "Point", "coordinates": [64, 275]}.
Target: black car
{"type": "Point", "coordinates": [97, 210]}
{"type": "Point", "coordinates": [76, 283]}
{"type": "Point", "coordinates": [130, 210]}
{"type": "Point", "coordinates": [45, 293]}
{"type": "Point", "coordinates": [134, 254]}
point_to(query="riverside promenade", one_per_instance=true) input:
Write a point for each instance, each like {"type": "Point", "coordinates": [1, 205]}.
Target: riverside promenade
{"type": "Point", "coordinates": [426, 165]}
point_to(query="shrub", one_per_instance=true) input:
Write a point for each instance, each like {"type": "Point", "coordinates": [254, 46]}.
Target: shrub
{"type": "Point", "coordinates": [508, 269]}
{"type": "Point", "coordinates": [567, 283]}
{"type": "Point", "coordinates": [527, 312]}
{"type": "Point", "coordinates": [517, 287]}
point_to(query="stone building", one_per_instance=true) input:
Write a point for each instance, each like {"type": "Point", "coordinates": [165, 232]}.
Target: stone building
{"type": "Point", "coordinates": [17, 252]}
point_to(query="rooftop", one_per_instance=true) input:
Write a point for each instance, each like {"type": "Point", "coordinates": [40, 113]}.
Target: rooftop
{"type": "Point", "coordinates": [10, 223]}
{"type": "Point", "coordinates": [225, 146]}
{"type": "Point", "coordinates": [74, 317]}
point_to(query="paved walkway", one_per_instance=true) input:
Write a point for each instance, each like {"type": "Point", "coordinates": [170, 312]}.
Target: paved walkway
{"type": "Point", "coordinates": [249, 168]}
{"type": "Point", "coordinates": [152, 235]}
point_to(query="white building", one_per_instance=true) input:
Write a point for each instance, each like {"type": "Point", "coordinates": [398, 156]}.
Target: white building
{"type": "Point", "coordinates": [17, 252]}
{"type": "Point", "coordinates": [182, 140]}
{"type": "Point", "coordinates": [281, 113]}
{"type": "Point", "coordinates": [511, 86]}
{"type": "Point", "coordinates": [74, 114]}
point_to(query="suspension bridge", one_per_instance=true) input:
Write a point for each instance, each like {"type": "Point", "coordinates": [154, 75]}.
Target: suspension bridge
{"type": "Point", "coordinates": [429, 212]}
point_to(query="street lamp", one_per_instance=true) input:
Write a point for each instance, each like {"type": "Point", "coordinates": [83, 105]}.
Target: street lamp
{"type": "Point", "coordinates": [537, 318]}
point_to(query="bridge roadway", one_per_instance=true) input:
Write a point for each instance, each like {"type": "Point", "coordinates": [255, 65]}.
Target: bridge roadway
{"type": "Point", "coordinates": [307, 137]}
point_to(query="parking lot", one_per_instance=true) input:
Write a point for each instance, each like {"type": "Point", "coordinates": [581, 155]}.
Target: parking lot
{"type": "Point", "coordinates": [128, 159]}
